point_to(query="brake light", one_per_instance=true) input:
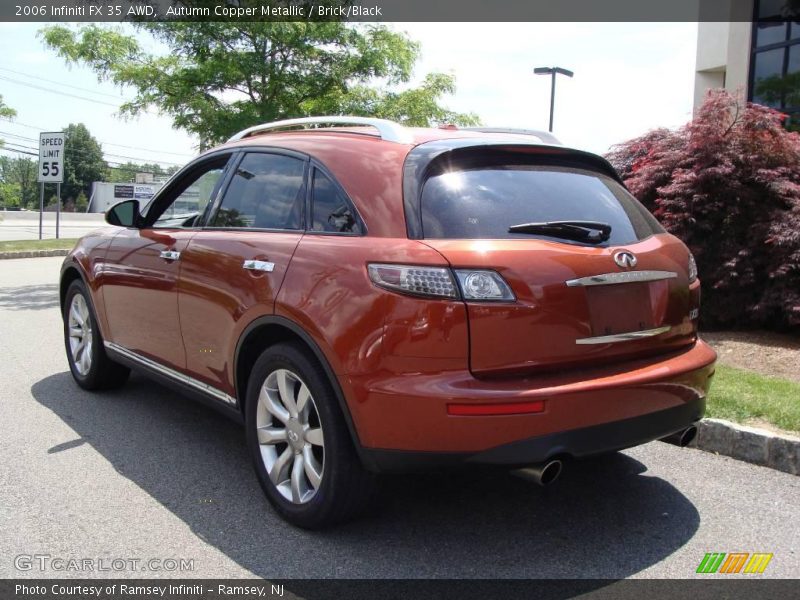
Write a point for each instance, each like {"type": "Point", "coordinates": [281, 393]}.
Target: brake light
{"type": "Point", "coordinates": [416, 280]}
{"type": "Point", "coordinates": [439, 282]}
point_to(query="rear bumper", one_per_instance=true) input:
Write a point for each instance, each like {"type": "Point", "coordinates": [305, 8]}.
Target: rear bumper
{"type": "Point", "coordinates": [402, 420]}
{"type": "Point", "coordinates": [577, 443]}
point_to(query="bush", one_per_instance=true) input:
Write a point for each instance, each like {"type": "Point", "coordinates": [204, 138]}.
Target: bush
{"type": "Point", "coordinates": [52, 204]}
{"type": "Point", "coordinates": [81, 203]}
{"type": "Point", "coordinates": [728, 184]}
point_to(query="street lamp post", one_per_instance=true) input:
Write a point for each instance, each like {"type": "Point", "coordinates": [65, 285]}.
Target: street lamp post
{"type": "Point", "coordinates": [552, 71]}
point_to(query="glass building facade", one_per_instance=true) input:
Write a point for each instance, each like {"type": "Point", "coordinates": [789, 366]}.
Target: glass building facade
{"type": "Point", "coordinates": [775, 57]}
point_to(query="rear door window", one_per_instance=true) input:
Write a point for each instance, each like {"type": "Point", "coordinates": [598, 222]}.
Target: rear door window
{"type": "Point", "coordinates": [331, 210]}
{"type": "Point", "coordinates": [482, 202]}
{"type": "Point", "coordinates": [266, 192]}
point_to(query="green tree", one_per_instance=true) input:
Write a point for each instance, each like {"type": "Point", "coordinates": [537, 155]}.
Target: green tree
{"type": "Point", "coordinates": [9, 194]}
{"type": "Point", "coordinates": [6, 112]}
{"type": "Point", "coordinates": [83, 162]}
{"type": "Point", "coordinates": [126, 172]}
{"type": "Point", "coordinates": [220, 77]}
{"type": "Point", "coordinates": [19, 175]}
{"type": "Point", "coordinates": [81, 203]}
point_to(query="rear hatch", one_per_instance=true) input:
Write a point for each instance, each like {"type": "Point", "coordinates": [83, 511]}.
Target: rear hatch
{"type": "Point", "coordinates": [584, 295]}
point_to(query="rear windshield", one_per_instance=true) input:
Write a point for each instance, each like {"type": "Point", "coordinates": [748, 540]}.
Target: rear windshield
{"type": "Point", "coordinates": [483, 201]}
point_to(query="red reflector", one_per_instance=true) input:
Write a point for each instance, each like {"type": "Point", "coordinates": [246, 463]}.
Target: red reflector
{"type": "Point", "coordinates": [506, 408]}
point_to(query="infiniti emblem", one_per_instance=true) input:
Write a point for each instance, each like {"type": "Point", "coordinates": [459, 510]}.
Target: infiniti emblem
{"type": "Point", "coordinates": [293, 436]}
{"type": "Point", "coordinates": [625, 259]}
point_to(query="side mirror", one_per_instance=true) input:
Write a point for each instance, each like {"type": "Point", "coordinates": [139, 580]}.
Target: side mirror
{"type": "Point", "coordinates": [124, 214]}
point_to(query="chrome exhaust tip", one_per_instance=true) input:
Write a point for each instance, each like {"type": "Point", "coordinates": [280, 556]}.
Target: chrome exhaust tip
{"type": "Point", "coordinates": [543, 473]}
{"type": "Point", "coordinates": [681, 438]}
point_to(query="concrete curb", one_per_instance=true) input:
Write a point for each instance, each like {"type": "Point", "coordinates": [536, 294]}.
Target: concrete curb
{"type": "Point", "coordinates": [756, 446]}
{"type": "Point", "coordinates": [32, 253]}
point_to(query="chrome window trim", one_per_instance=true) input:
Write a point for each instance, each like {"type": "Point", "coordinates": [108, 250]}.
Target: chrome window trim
{"type": "Point", "coordinates": [172, 374]}
{"type": "Point", "coordinates": [624, 277]}
{"type": "Point", "coordinates": [624, 337]}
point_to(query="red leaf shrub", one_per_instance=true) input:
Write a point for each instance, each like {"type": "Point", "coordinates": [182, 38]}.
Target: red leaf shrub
{"type": "Point", "coordinates": [728, 184]}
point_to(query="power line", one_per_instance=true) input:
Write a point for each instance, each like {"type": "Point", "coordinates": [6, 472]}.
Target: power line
{"type": "Point", "coordinates": [40, 128]}
{"type": "Point", "coordinates": [75, 87]}
{"type": "Point", "coordinates": [3, 147]}
{"type": "Point", "coordinates": [111, 164]}
{"type": "Point", "coordinates": [85, 153]}
{"type": "Point", "coordinates": [44, 89]}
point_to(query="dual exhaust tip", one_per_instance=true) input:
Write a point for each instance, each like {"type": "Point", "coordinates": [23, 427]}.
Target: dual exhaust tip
{"type": "Point", "coordinates": [681, 438]}
{"type": "Point", "coordinates": [547, 472]}
{"type": "Point", "coordinates": [543, 473]}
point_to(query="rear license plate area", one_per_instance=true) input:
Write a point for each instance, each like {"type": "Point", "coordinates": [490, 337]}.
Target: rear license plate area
{"type": "Point", "coordinates": [620, 308]}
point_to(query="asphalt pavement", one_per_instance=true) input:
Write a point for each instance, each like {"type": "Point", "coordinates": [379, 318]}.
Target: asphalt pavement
{"type": "Point", "coordinates": [142, 473]}
{"type": "Point", "coordinates": [24, 225]}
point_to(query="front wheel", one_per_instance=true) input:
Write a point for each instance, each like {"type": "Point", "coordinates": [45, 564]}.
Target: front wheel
{"type": "Point", "coordinates": [300, 446]}
{"type": "Point", "coordinates": [91, 367]}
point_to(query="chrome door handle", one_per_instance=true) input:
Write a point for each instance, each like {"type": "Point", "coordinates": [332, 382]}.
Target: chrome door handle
{"type": "Point", "coordinates": [170, 255]}
{"type": "Point", "coordinates": [258, 265]}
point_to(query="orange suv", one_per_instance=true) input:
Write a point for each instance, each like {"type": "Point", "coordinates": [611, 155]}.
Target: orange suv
{"type": "Point", "coordinates": [366, 297]}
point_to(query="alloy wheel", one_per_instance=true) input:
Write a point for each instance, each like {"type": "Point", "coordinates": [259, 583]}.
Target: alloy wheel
{"type": "Point", "coordinates": [80, 334]}
{"type": "Point", "coordinates": [290, 436]}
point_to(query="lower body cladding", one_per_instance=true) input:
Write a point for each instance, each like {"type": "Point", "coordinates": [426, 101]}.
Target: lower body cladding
{"type": "Point", "coordinates": [417, 421]}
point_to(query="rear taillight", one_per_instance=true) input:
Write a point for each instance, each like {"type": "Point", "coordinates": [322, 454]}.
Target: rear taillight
{"type": "Point", "coordinates": [416, 280]}
{"type": "Point", "coordinates": [483, 285]}
{"type": "Point", "coordinates": [439, 282]}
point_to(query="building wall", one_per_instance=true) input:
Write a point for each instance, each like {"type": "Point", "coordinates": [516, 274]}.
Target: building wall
{"type": "Point", "coordinates": [723, 58]}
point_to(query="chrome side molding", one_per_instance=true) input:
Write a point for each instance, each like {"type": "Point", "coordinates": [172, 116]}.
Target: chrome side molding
{"type": "Point", "coordinates": [172, 373]}
{"type": "Point", "coordinates": [624, 337]}
{"type": "Point", "coordinates": [623, 277]}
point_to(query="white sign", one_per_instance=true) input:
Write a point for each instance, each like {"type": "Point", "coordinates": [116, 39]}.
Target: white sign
{"type": "Point", "coordinates": [51, 157]}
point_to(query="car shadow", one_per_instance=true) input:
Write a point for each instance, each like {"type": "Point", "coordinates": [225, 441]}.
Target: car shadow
{"type": "Point", "coordinates": [605, 518]}
{"type": "Point", "coordinates": [29, 297]}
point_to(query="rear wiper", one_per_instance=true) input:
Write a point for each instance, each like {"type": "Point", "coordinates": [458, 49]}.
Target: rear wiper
{"type": "Point", "coordinates": [592, 232]}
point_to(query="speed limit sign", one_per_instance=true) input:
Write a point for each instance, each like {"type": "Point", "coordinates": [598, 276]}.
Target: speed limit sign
{"type": "Point", "coordinates": [51, 157]}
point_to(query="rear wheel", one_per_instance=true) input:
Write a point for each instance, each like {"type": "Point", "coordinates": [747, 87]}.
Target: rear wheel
{"type": "Point", "coordinates": [299, 442]}
{"type": "Point", "coordinates": [91, 367]}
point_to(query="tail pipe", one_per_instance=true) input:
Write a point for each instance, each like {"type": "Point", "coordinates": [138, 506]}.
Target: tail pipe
{"type": "Point", "coordinates": [543, 473]}
{"type": "Point", "coordinates": [681, 438]}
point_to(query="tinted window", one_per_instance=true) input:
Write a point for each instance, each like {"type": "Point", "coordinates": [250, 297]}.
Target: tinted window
{"type": "Point", "coordinates": [331, 209]}
{"type": "Point", "coordinates": [192, 201]}
{"type": "Point", "coordinates": [483, 202]}
{"type": "Point", "coordinates": [770, 32]}
{"type": "Point", "coordinates": [265, 192]}
{"type": "Point", "coordinates": [767, 70]}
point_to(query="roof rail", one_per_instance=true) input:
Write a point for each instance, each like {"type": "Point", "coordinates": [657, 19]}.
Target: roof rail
{"type": "Point", "coordinates": [388, 130]}
{"type": "Point", "coordinates": [545, 136]}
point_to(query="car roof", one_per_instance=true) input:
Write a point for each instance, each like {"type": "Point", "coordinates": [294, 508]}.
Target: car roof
{"type": "Point", "coordinates": [415, 136]}
{"type": "Point", "coordinates": [368, 161]}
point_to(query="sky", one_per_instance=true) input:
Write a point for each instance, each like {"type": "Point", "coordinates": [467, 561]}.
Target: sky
{"type": "Point", "coordinates": [629, 78]}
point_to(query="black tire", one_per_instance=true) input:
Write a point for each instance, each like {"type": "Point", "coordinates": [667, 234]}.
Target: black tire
{"type": "Point", "coordinates": [345, 488]}
{"type": "Point", "coordinates": [102, 373]}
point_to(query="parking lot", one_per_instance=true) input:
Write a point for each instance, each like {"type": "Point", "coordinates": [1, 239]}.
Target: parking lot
{"type": "Point", "coordinates": [142, 473]}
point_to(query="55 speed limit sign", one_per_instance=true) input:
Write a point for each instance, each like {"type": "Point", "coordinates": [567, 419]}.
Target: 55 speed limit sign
{"type": "Point", "coordinates": [51, 157]}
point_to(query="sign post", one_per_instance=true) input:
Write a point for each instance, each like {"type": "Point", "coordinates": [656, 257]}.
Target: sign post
{"type": "Point", "coordinates": [51, 169]}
